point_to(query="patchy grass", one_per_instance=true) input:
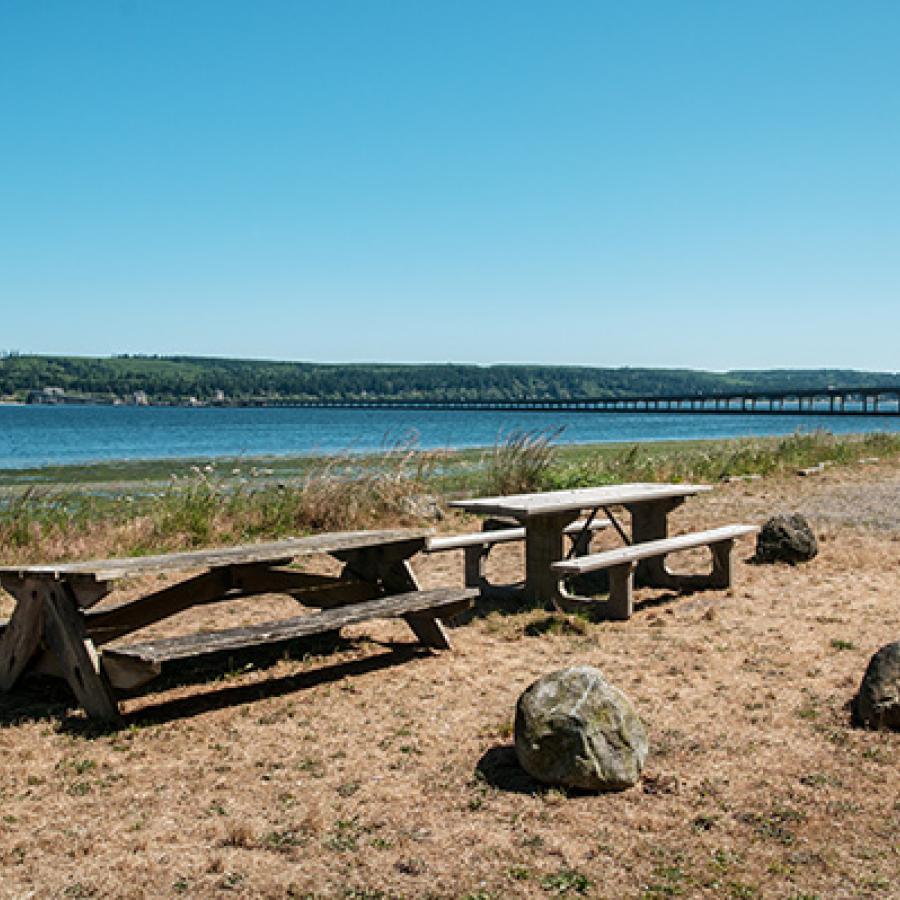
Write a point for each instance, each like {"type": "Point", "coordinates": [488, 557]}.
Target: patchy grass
{"type": "Point", "coordinates": [716, 460]}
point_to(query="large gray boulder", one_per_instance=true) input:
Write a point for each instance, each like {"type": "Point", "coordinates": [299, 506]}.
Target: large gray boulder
{"type": "Point", "coordinates": [574, 729]}
{"type": "Point", "coordinates": [877, 705]}
{"type": "Point", "coordinates": [786, 538]}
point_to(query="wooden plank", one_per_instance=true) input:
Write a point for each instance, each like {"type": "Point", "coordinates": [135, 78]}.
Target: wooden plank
{"type": "Point", "coordinates": [440, 601]}
{"type": "Point", "coordinates": [476, 539]}
{"type": "Point", "coordinates": [620, 555]}
{"type": "Point", "coordinates": [111, 569]}
{"type": "Point", "coordinates": [105, 625]}
{"type": "Point", "coordinates": [22, 635]}
{"type": "Point", "coordinates": [319, 591]}
{"type": "Point", "coordinates": [75, 652]}
{"type": "Point", "coordinates": [524, 506]}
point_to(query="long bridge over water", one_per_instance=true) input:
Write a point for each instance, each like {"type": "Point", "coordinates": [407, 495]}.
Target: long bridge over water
{"type": "Point", "coordinates": [831, 401]}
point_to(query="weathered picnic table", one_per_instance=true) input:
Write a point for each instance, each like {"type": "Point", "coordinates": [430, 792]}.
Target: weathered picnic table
{"type": "Point", "coordinates": [546, 517]}
{"type": "Point", "coordinates": [58, 622]}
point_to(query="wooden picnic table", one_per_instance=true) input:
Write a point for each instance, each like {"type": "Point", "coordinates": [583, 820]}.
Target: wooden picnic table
{"type": "Point", "coordinates": [545, 516]}
{"type": "Point", "coordinates": [59, 624]}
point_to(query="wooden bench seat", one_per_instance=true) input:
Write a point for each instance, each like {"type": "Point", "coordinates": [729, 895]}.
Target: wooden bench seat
{"type": "Point", "coordinates": [477, 545]}
{"type": "Point", "coordinates": [621, 562]}
{"type": "Point", "coordinates": [130, 666]}
{"type": "Point", "coordinates": [500, 536]}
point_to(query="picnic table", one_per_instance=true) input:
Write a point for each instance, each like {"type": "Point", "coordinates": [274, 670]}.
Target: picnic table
{"type": "Point", "coordinates": [547, 515]}
{"type": "Point", "coordinates": [59, 624]}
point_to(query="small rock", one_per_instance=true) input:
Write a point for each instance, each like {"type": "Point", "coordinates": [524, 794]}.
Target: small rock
{"type": "Point", "coordinates": [877, 705]}
{"type": "Point", "coordinates": [786, 538]}
{"type": "Point", "coordinates": [574, 729]}
{"type": "Point", "coordinates": [424, 506]}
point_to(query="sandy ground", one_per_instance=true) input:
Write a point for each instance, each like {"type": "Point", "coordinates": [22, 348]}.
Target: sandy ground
{"type": "Point", "coordinates": [380, 770]}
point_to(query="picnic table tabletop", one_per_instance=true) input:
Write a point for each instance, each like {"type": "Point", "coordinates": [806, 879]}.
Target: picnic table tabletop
{"type": "Point", "coordinates": [525, 506]}
{"type": "Point", "coordinates": [290, 548]}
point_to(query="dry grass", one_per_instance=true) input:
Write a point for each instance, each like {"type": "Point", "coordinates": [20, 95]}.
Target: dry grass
{"type": "Point", "coordinates": [208, 507]}
{"type": "Point", "coordinates": [377, 770]}
{"type": "Point", "coordinates": [520, 462]}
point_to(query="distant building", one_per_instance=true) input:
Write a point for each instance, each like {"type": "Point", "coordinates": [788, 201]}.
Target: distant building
{"type": "Point", "coordinates": [218, 396]}
{"type": "Point", "coordinates": [140, 399]}
{"type": "Point", "coordinates": [54, 392]}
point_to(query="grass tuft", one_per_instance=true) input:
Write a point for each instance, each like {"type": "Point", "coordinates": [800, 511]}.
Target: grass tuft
{"type": "Point", "coordinates": [520, 461]}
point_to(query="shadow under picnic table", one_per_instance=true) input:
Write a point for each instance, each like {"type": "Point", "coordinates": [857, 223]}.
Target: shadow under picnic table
{"type": "Point", "coordinates": [47, 699]}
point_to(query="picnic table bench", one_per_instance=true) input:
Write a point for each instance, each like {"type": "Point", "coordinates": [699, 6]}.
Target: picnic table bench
{"type": "Point", "coordinates": [621, 563]}
{"type": "Point", "coordinates": [546, 516]}
{"type": "Point", "coordinates": [57, 626]}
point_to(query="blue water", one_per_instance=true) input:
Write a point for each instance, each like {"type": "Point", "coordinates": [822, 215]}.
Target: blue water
{"type": "Point", "coordinates": [42, 435]}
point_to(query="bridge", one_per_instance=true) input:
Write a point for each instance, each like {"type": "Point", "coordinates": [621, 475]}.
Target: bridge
{"type": "Point", "coordinates": [831, 401]}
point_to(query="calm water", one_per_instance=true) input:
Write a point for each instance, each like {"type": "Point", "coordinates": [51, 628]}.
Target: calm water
{"type": "Point", "coordinates": [41, 435]}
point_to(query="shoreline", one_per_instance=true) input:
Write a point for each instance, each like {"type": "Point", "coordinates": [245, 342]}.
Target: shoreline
{"type": "Point", "coordinates": [160, 470]}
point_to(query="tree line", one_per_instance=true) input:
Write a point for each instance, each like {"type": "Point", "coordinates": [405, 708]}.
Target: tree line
{"type": "Point", "coordinates": [177, 378]}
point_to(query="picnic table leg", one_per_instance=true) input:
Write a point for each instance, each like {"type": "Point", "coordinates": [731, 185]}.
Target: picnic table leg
{"type": "Point", "coordinates": [430, 630]}
{"type": "Point", "coordinates": [650, 522]}
{"type": "Point", "coordinates": [22, 636]}
{"type": "Point", "coordinates": [67, 640]}
{"type": "Point", "coordinates": [544, 544]}
{"type": "Point", "coordinates": [396, 576]}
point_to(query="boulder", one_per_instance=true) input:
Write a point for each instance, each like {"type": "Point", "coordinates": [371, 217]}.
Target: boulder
{"type": "Point", "coordinates": [786, 538]}
{"type": "Point", "coordinates": [576, 730]}
{"type": "Point", "coordinates": [877, 705]}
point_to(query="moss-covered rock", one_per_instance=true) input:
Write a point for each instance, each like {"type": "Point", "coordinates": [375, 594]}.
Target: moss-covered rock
{"type": "Point", "coordinates": [574, 729]}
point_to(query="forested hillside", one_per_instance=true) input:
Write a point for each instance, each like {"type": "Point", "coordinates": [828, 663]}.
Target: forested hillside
{"type": "Point", "coordinates": [175, 379]}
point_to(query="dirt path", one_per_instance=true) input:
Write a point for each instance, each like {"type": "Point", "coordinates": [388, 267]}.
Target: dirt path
{"type": "Point", "coordinates": [380, 771]}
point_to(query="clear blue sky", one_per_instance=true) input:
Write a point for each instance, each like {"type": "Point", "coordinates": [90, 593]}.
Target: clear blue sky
{"type": "Point", "coordinates": [680, 183]}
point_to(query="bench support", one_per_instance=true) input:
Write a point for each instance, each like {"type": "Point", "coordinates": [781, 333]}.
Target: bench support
{"type": "Point", "coordinates": [723, 564]}
{"type": "Point", "coordinates": [67, 640]}
{"type": "Point", "coordinates": [394, 574]}
{"type": "Point", "coordinates": [621, 592]}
